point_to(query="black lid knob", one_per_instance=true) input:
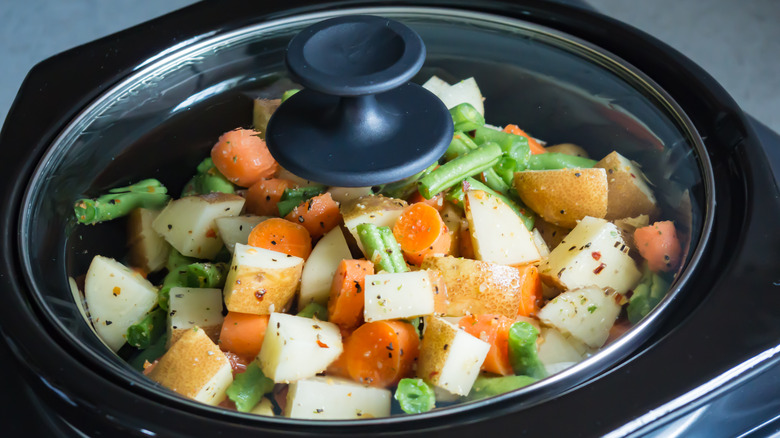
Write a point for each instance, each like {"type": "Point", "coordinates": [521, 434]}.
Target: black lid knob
{"type": "Point", "coordinates": [359, 121]}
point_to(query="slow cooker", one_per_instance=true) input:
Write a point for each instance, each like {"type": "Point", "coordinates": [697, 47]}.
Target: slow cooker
{"type": "Point", "coordinates": [705, 361]}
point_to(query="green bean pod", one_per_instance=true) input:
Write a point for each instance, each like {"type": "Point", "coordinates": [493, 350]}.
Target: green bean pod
{"type": "Point", "coordinates": [453, 172]}
{"type": "Point", "coordinates": [554, 160]}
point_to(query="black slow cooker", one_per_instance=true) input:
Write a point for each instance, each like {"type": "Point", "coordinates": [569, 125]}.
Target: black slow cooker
{"type": "Point", "coordinates": [150, 100]}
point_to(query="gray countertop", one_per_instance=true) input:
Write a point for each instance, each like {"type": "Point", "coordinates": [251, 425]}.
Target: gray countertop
{"type": "Point", "coordinates": [737, 42]}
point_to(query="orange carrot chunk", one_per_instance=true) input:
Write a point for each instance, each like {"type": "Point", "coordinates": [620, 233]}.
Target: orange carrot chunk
{"type": "Point", "coordinates": [381, 353]}
{"type": "Point", "coordinates": [536, 148]}
{"type": "Point", "coordinates": [243, 157]}
{"type": "Point", "coordinates": [437, 201]}
{"type": "Point", "coordinates": [281, 235]}
{"type": "Point", "coordinates": [659, 245]}
{"type": "Point", "coordinates": [420, 231]}
{"type": "Point", "coordinates": [318, 215]}
{"type": "Point", "coordinates": [493, 329]}
{"type": "Point", "coordinates": [345, 305]}
{"type": "Point", "coordinates": [243, 333]}
{"type": "Point", "coordinates": [531, 290]}
{"type": "Point", "coordinates": [262, 196]}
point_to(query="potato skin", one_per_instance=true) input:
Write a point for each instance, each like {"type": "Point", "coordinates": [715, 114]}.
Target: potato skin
{"type": "Point", "coordinates": [629, 194]}
{"type": "Point", "coordinates": [564, 196]}
{"type": "Point", "coordinates": [476, 287]}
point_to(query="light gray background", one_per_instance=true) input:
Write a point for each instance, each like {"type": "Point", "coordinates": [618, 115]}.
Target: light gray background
{"type": "Point", "coordinates": [736, 41]}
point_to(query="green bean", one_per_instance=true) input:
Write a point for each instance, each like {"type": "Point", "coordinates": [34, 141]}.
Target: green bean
{"type": "Point", "coordinates": [415, 396]}
{"type": "Point", "coordinates": [249, 387]}
{"type": "Point", "coordinates": [312, 310]}
{"type": "Point", "coordinates": [152, 353]}
{"type": "Point", "coordinates": [453, 172]}
{"type": "Point", "coordinates": [506, 169]}
{"type": "Point", "coordinates": [174, 278]}
{"type": "Point", "coordinates": [289, 93]}
{"type": "Point", "coordinates": [514, 146]}
{"type": "Point", "coordinates": [294, 197]}
{"type": "Point", "coordinates": [209, 275]}
{"type": "Point", "coordinates": [647, 294]}
{"type": "Point", "coordinates": [118, 202]}
{"type": "Point", "coordinates": [466, 118]}
{"type": "Point", "coordinates": [406, 187]}
{"type": "Point", "coordinates": [382, 248]}
{"type": "Point", "coordinates": [207, 180]}
{"type": "Point", "coordinates": [522, 351]}
{"type": "Point", "coordinates": [554, 160]}
{"type": "Point", "coordinates": [495, 182]}
{"type": "Point", "coordinates": [461, 144]}
{"type": "Point", "coordinates": [176, 260]}
{"type": "Point", "coordinates": [145, 332]}
{"type": "Point", "coordinates": [490, 386]}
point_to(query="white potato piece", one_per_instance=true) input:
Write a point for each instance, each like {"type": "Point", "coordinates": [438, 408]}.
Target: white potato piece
{"type": "Point", "coordinates": [592, 254]}
{"type": "Point", "coordinates": [345, 194]}
{"type": "Point", "coordinates": [398, 295]}
{"type": "Point", "coordinates": [556, 348]}
{"type": "Point", "coordinates": [436, 85]}
{"type": "Point", "coordinates": [188, 223]}
{"type": "Point", "coordinates": [449, 357]}
{"type": "Point", "coordinates": [195, 367]}
{"type": "Point", "coordinates": [466, 91]}
{"type": "Point", "coordinates": [586, 314]}
{"type": "Point", "coordinates": [498, 234]}
{"type": "Point", "coordinates": [541, 245]}
{"type": "Point", "coordinates": [296, 348]}
{"type": "Point", "coordinates": [236, 229]}
{"type": "Point", "coordinates": [629, 192]}
{"type": "Point", "coordinates": [264, 407]}
{"type": "Point", "coordinates": [148, 250]}
{"type": "Point", "coordinates": [117, 298]}
{"type": "Point", "coordinates": [194, 307]}
{"type": "Point", "coordinates": [333, 398]}
{"type": "Point", "coordinates": [453, 217]}
{"type": "Point", "coordinates": [299, 181]}
{"type": "Point", "coordinates": [261, 281]}
{"type": "Point", "coordinates": [373, 209]}
{"type": "Point", "coordinates": [320, 267]}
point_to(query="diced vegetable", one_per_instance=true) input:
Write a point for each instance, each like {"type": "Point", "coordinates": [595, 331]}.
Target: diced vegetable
{"type": "Point", "coordinates": [262, 197]}
{"type": "Point", "coordinates": [659, 245]}
{"type": "Point", "coordinates": [415, 396]}
{"type": "Point", "coordinates": [280, 235]}
{"type": "Point", "coordinates": [381, 248]}
{"type": "Point", "coordinates": [242, 156]}
{"type": "Point", "coordinates": [531, 293]}
{"type": "Point", "coordinates": [556, 348]}
{"type": "Point", "coordinates": [398, 296]}
{"type": "Point", "coordinates": [314, 310]}
{"type": "Point", "coordinates": [647, 294]}
{"type": "Point", "coordinates": [522, 351]}
{"type": "Point", "coordinates": [465, 117]}
{"type": "Point", "coordinates": [381, 353]}
{"type": "Point", "coordinates": [243, 333]}
{"type": "Point", "coordinates": [318, 215]}
{"type": "Point", "coordinates": [345, 304]}
{"type": "Point", "coordinates": [207, 180]}
{"type": "Point", "coordinates": [420, 231]}
{"type": "Point", "coordinates": [586, 314]}
{"type": "Point", "coordinates": [148, 250]}
{"type": "Point", "coordinates": [119, 202]}
{"type": "Point", "coordinates": [453, 172]}
{"type": "Point", "coordinates": [296, 348]}
{"type": "Point", "coordinates": [261, 281]}
{"type": "Point", "coordinates": [249, 387]}
{"type": "Point", "coordinates": [374, 209]}
{"type": "Point", "coordinates": [534, 145]}
{"type": "Point", "coordinates": [236, 229]}
{"type": "Point", "coordinates": [194, 307]}
{"type": "Point", "coordinates": [320, 267]}
{"type": "Point", "coordinates": [493, 329]}
{"type": "Point", "coordinates": [147, 331]}
{"type": "Point", "coordinates": [485, 387]}
{"type": "Point", "coordinates": [466, 90]}
{"type": "Point", "coordinates": [629, 193]}
{"type": "Point", "coordinates": [555, 161]}
{"type": "Point", "coordinates": [262, 111]}
{"type": "Point", "coordinates": [331, 398]}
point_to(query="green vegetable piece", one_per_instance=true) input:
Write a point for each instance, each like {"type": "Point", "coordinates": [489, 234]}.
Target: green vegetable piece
{"type": "Point", "coordinates": [207, 180]}
{"type": "Point", "coordinates": [118, 202]}
{"type": "Point", "coordinates": [145, 332]}
{"type": "Point", "coordinates": [209, 275]}
{"type": "Point", "coordinates": [249, 387]}
{"type": "Point", "coordinates": [647, 294]}
{"type": "Point", "coordinates": [555, 160]}
{"type": "Point", "coordinates": [174, 278]}
{"type": "Point", "coordinates": [485, 387]}
{"type": "Point", "coordinates": [514, 146]}
{"type": "Point", "coordinates": [455, 171]}
{"type": "Point", "coordinates": [522, 351]}
{"type": "Point", "coordinates": [506, 169]}
{"type": "Point", "coordinates": [314, 310]}
{"type": "Point", "coordinates": [406, 187]}
{"type": "Point", "coordinates": [289, 93]}
{"type": "Point", "coordinates": [495, 181]}
{"type": "Point", "coordinates": [415, 396]}
{"type": "Point", "coordinates": [150, 354]}
{"type": "Point", "coordinates": [177, 260]}
{"type": "Point", "coordinates": [382, 247]}
{"type": "Point", "coordinates": [466, 118]}
{"type": "Point", "coordinates": [294, 197]}
{"type": "Point", "coordinates": [461, 144]}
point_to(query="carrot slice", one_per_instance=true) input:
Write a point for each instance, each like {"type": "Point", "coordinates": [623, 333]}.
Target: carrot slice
{"type": "Point", "coordinates": [437, 201]}
{"type": "Point", "coordinates": [318, 215]}
{"type": "Point", "coordinates": [345, 305]}
{"type": "Point", "coordinates": [243, 157]}
{"type": "Point", "coordinates": [531, 290]}
{"type": "Point", "coordinates": [381, 353]}
{"type": "Point", "coordinates": [281, 235]}
{"type": "Point", "coordinates": [659, 245]}
{"type": "Point", "coordinates": [536, 148]}
{"type": "Point", "coordinates": [420, 231]}
{"type": "Point", "coordinates": [243, 333]}
{"type": "Point", "coordinates": [262, 196]}
{"type": "Point", "coordinates": [493, 329]}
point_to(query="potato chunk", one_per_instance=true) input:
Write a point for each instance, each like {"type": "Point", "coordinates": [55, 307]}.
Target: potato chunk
{"type": "Point", "coordinates": [449, 357]}
{"type": "Point", "coordinates": [332, 398]}
{"type": "Point", "coordinates": [398, 295]}
{"type": "Point", "coordinates": [194, 307]}
{"type": "Point", "coordinates": [148, 250]}
{"type": "Point", "coordinates": [320, 267]}
{"type": "Point", "coordinates": [261, 281]}
{"type": "Point", "coordinates": [564, 196]}
{"type": "Point", "coordinates": [373, 209]}
{"type": "Point", "coordinates": [116, 298]}
{"type": "Point", "coordinates": [629, 193]}
{"type": "Point", "coordinates": [195, 367]}
{"type": "Point", "coordinates": [296, 348]}
{"type": "Point", "coordinates": [593, 254]}
{"type": "Point", "coordinates": [475, 287]}
{"type": "Point", "coordinates": [497, 232]}
{"type": "Point", "coordinates": [188, 223]}
{"type": "Point", "coordinates": [236, 229]}
{"type": "Point", "coordinates": [586, 314]}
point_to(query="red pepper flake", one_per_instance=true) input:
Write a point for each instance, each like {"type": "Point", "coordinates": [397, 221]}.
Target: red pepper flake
{"type": "Point", "coordinates": [596, 255]}
{"type": "Point", "coordinates": [599, 269]}
{"type": "Point", "coordinates": [432, 374]}
{"type": "Point", "coordinates": [260, 294]}
{"type": "Point", "coordinates": [211, 233]}
{"type": "Point", "coordinates": [322, 344]}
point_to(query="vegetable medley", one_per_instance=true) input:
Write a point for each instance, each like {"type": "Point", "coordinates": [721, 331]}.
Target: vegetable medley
{"type": "Point", "coordinates": [504, 262]}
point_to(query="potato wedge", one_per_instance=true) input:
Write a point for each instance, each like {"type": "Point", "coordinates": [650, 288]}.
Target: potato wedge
{"type": "Point", "coordinates": [236, 229]}
{"type": "Point", "coordinates": [194, 307]}
{"type": "Point", "coordinates": [320, 267]}
{"type": "Point", "coordinates": [568, 149]}
{"type": "Point", "coordinates": [629, 193]}
{"type": "Point", "coordinates": [374, 209]}
{"type": "Point", "coordinates": [551, 233]}
{"type": "Point", "coordinates": [148, 250]}
{"type": "Point", "coordinates": [564, 196]}
{"type": "Point", "coordinates": [475, 287]}
{"type": "Point", "coordinates": [333, 398]}
{"type": "Point", "coordinates": [586, 314]}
